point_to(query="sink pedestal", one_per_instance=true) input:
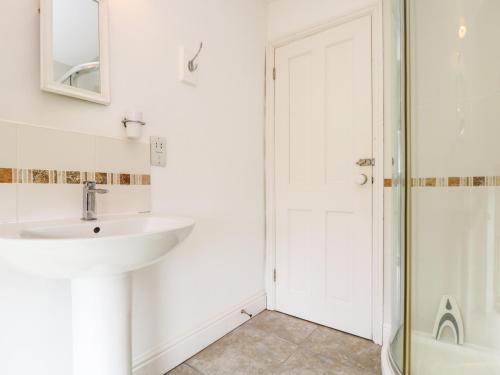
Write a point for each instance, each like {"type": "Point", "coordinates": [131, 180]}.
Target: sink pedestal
{"type": "Point", "coordinates": [102, 325]}
{"type": "Point", "coordinates": [98, 257]}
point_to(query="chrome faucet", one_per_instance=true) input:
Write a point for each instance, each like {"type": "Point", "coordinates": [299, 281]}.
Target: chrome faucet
{"type": "Point", "coordinates": [89, 192]}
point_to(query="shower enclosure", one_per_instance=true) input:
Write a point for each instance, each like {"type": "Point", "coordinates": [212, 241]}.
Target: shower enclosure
{"type": "Point", "coordinates": [446, 180]}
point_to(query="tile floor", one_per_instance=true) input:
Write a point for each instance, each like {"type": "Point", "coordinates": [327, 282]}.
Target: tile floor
{"type": "Point", "coordinates": [277, 344]}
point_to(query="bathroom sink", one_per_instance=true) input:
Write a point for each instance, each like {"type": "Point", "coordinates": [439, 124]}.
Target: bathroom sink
{"type": "Point", "coordinates": [74, 248]}
{"type": "Point", "coordinates": [97, 256]}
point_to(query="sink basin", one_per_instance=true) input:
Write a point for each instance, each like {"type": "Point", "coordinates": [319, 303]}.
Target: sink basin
{"type": "Point", "coordinates": [97, 256]}
{"type": "Point", "coordinates": [75, 248]}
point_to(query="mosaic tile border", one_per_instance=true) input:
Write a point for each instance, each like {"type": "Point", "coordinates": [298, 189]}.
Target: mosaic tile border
{"type": "Point", "coordinates": [49, 176]}
{"type": "Point", "coordinates": [469, 181]}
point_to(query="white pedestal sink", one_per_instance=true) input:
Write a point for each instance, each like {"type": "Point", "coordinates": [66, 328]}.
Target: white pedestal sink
{"type": "Point", "coordinates": [98, 257]}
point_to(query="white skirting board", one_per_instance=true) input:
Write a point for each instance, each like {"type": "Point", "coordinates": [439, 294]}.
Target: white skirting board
{"type": "Point", "coordinates": [166, 357]}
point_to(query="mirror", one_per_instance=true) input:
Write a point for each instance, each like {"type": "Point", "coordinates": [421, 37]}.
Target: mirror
{"type": "Point", "coordinates": [75, 38]}
{"type": "Point", "coordinates": [74, 49]}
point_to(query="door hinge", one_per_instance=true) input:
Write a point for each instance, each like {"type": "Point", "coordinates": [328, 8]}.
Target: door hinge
{"type": "Point", "coordinates": [274, 74]}
{"type": "Point", "coordinates": [274, 275]}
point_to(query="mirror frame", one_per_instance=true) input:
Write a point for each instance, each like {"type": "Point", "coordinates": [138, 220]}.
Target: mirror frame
{"type": "Point", "coordinates": [46, 61]}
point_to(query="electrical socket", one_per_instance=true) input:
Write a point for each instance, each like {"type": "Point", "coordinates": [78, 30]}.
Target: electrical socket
{"type": "Point", "coordinates": [158, 151]}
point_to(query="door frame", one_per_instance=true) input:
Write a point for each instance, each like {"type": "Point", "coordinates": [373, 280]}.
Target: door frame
{"type": "Point", "coordinates": [375, 12]}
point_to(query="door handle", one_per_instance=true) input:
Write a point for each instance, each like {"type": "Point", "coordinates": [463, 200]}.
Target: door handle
{"type": "Point", "coordinates": [361, 179]}
{"type": "Point", "coordinates": [366, 162]}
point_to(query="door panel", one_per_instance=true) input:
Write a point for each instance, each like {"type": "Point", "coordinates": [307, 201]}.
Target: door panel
{"type": "Point", "coordinates": [338, 259]}
{"type": "Point", "coordinates": [300, 115]}
{"type": "Point", "coordinates": [339, 104]}
{"type": "Point", "coordinates": [323, 125]}
{"type": "Point", "coordinates": [299, 238]}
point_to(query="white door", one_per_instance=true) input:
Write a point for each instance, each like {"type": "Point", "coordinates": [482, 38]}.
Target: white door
{"type": "Point", "coordinates": [323, 126]}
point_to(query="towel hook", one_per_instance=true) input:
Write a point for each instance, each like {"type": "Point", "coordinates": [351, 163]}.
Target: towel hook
{"type": "Point", "coordinates": [191, 64]}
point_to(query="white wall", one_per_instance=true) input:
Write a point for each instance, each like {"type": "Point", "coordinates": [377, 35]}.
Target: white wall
{"type": "Point", "coordinates": [214, 170]}
{"type": "Point", "coordinates": [287, 16]}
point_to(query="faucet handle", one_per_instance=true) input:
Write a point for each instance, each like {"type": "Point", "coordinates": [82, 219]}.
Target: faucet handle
{"type": "Point", "coordinates": [89, 184]}
{"type": "Point", "coordinates": [91, 187]}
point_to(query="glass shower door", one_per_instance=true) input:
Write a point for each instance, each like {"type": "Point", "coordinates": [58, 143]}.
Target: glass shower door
{"type": "Point", "coordinates": [397, 198]}
{"type": "Point", "coordinates": [455, 208]}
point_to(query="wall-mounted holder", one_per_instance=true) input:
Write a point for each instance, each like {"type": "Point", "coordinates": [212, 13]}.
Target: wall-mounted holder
{"type": "Point", "coordinates": [133, 124]}
{"type": "Point", "coordinates": [188, 65]}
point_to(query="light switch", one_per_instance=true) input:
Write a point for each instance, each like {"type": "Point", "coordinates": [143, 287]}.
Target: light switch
{"type": "Point", "coordinates": [158, 151]}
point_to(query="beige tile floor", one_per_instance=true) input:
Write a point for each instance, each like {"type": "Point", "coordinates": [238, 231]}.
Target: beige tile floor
{"type": "Point", "coordinates": [277, 344]}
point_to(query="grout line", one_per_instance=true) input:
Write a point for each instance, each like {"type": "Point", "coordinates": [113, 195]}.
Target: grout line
{"type": "Point", "coordinates": [215, 342]}
{"type": "Point", "coordinates": [348, 362]}
{"type": "Point", "coordinates": [194, 368]}
{"type": "Point", "coordinates": [296, 350]}
{"type": "Point", "coordinates": [17, 174]}
{"type": "Point", "coordinates": [346, 359]}
{"type": "Point", "coordinates": [95, 152]}
{"type": "Point", "coordinates": [290, 317]}
{"type": "Point", "coordinates": [275, 335]}
{"type": "Point", "coordinates": [309, 335]}
{"type": "Point", "coordinates": [63, 130]}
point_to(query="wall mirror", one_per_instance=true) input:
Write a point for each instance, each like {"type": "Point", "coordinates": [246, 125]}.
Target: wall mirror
{"type": "Point", "coordinates": [74, 49]}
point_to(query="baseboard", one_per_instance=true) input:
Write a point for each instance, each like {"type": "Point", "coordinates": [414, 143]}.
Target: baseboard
{"type": "Point", "coordinates": [162, 359]}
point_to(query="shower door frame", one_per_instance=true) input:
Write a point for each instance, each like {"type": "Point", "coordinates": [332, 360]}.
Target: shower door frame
{"type": "Point", "coordinates": [406, 107]}
{"type": "Point", "coordinates": [376, 14]}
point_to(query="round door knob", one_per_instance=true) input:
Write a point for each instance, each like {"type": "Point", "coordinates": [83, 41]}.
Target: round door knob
{"type": "Point", "coordinates": [361, 179]}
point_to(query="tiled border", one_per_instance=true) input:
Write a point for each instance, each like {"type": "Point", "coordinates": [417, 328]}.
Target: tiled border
{"type": "Point", "coordinates": [46, 176]}
{"type": "Point", "coordinates": [474, 181]}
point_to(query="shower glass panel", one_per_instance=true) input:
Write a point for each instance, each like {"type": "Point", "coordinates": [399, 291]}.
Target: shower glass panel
{"type": "Point", "coordinates": [396, 109]}
{"type": "Point", "coordinates": [455, 210]}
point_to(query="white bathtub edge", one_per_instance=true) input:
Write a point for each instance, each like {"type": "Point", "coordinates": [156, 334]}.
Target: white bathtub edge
{"type": "Point", "coordinates": [385, 360]}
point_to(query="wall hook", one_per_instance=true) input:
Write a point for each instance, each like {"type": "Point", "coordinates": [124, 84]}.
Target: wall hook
{"type": "Point", "coordinates": [191, 64]}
